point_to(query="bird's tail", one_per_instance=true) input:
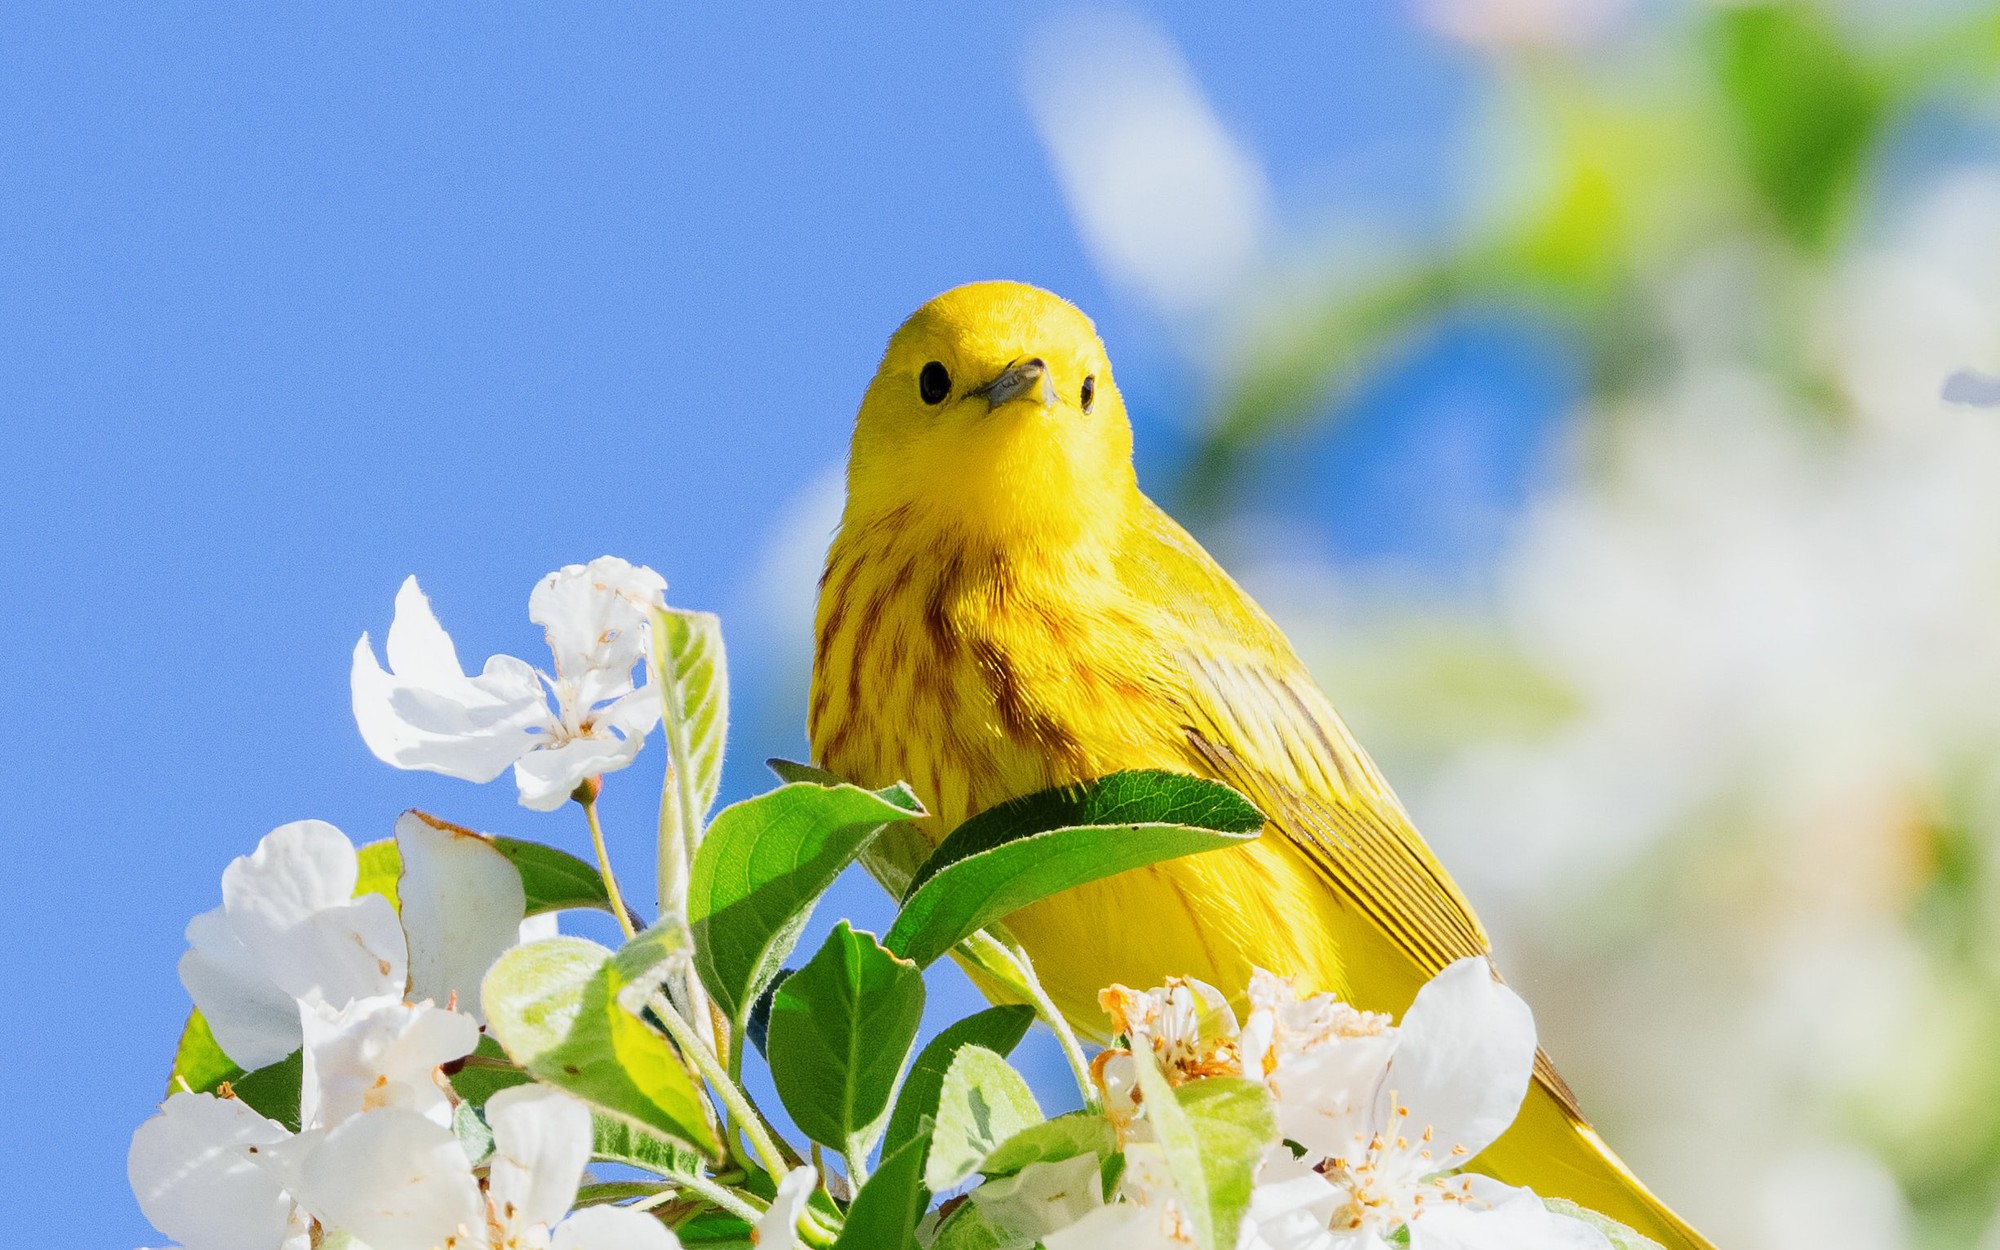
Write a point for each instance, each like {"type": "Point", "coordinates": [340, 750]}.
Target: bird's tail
{"type": "Point", "coordinates": [1552, 1150]}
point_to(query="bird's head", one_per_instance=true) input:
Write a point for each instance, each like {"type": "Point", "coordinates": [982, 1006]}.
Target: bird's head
{"type": "Point", "coordinates": [993, 412]}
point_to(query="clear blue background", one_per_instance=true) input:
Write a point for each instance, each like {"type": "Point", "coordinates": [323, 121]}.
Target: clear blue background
{"type": "Point", "coordinates": [297, 300]}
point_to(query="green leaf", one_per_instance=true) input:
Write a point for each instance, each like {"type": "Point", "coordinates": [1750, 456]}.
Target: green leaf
{"type": "Point", "coordinates": [893, 856]}
{"type": "Point", "coordinates": [1620, 1237]}
{"type": "Point", "coordinates": [1806, 110]}
{"type": "Point", "coordinates": [691, 674]}
{"type": "Point", "coordinates": [272, 1091]}
{"type": "Point", "coordinates": [561, 1010]}
{"type": "Point", "coordinates": [885, 1213]}
{"type": "Point", "coordinates": [485, 1072]}
{"type": "Point", "coordinates": [791, 770]}
{"type": "Point", "coordinates": [1214, 1133]}
{"type": "Point", "coordinates": [998, 1029]}
{"type": "Point", "coordinates": [617, 1140]}
{"type": "Point", "coordinates": [553, 880]}
{"type": "Point", "coordinates": [967, 1228]}
{"type": "Point", "coordinates": [762, 867]}
{"type": "Point", "coordinates": [1052, 1141]}
{"type": "Point", "coordinates": [381, 867]}
{"type": "Point", "coordinates": [475, 1136]}
{"type": "Point", "coordinates": [982, 1104]}
{"type": "Point", "coordinates": [1029, 848]}
{"type": "Point", "coordinates": [199, 1064]}
{"type": "Point", "coordinates": [840, 1029]}
{"type": "Point", "coordinates": [714, 1230]}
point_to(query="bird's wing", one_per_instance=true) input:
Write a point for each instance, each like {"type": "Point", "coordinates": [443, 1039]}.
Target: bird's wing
{"type": "Point", "coordinates": [1256, 720]}
{"type": "Point", "coordinates": [1272, 735]}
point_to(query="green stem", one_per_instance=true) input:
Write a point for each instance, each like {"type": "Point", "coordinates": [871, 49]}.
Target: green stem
{"type": "Point", "coordinates": [708, 1191]}
{"type": "Point", "coordinates": [586, 794]}
{"type": "Point", "coordinates": [986, 948]}
{"type": "Point", "coordinates": [733, 1099]}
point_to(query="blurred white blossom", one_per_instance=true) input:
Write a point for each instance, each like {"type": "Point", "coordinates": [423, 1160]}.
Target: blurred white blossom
{"type": "Point", "coordinates": [1508, 24]}
{"type": "Point", "coordinates": [1167, 201]}
{"type": "Point", "coordinates": [424, 713]}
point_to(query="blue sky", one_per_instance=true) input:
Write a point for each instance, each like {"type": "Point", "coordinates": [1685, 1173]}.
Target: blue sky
{"type": "Point", "coordinates": [295, 301]}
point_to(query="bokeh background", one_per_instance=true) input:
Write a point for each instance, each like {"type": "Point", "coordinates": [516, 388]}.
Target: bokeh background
{"type": "Point", "coordinates": [1565, 374]}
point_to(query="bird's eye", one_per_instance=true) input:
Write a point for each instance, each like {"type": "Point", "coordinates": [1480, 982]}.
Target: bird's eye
{"type": "Point", "coordinates": [934, 383]}
{"type": "Point", "coordinates": [1089, 391]}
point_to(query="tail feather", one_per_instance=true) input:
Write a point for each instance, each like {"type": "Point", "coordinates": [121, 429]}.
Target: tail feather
{"type": "Point", "coordinates": [1554, 1152]}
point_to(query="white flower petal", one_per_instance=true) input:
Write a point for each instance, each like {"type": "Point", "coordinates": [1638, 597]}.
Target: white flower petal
{"type": "Point", "coordinates": [1464, 1058]}
{"type": "Point", "coordinates": [1287, 1212]}
{"type": "Point", "coordinates": [296, 870]}
{"type": "Point", "coordinates": [597, 616]}
{"type": "Point", "coordinates": [425, 713]}
{"type": "Point", "coordinates": [394, 1180]}
{"type": "Point", "coordinates": [418, 648]}
{"type": "Point", "coordinates": [634, 715]}
{"type": "Point", "coordinates": [1043, 1197]}
{"type": "Point", "coordinates": [546, 778]}
{"type": "Point", "coordinates": [462, 906]}
{"type": "Point", "coordinates": [778, 1227]}
{"type": "Point", "coordinates": [1121, 1225]}
{"type": "Point", "coordinates": [541, 1140]}
{"type": "Point", "coordinates": [613, 1228]}
{"type": "Point", "coordinates": [1327, 1095]}
{"type": "Point", "coordinates": [194, 1181]}
{"type": "Point", "coordinates": [291, 905]}
{"type": "Point", "coordinates": [379, 1052]}
{"type": "Point", "coordinates": [1519, 1222]}
{"type": "Point", "coordinates": [254, 1021]}
{"type": "Point", "coordinates": [471, 728]}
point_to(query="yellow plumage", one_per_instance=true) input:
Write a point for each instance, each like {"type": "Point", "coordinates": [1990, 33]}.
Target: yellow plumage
{"type": "Point", "coordinates": [1003, 611]}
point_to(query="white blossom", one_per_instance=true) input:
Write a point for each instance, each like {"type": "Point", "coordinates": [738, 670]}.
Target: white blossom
{"type": "Point", "coordinates": [463, 905]}
{"type": "Point", "coordinates": [1043, 1197]}
{"type": "Point", "coordinates": [1147, 1217]}
{"type": "Point", "coordinates": [380, 1052]}
{"type": "Point", "coordinates": [289, 930]}
{"type": "Point", "coordinates": [1384, 1114]}
{"type": "Point", "coordinates": [191, 1169]}
{"type": "Point", "coordinates": [423, 712]}
{"type": "Point", "coordinates": [398, 1181]}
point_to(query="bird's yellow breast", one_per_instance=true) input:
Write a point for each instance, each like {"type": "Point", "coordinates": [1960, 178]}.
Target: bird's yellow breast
{"type": "Point", "coordinates": [978, 674]}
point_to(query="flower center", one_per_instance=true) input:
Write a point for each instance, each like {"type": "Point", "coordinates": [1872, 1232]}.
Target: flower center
{"type": "Point", "coordinates": [1390, 1177]}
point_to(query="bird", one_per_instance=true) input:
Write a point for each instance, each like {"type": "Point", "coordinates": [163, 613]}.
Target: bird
{"type": "Point", "coordinates": [1004, 611]}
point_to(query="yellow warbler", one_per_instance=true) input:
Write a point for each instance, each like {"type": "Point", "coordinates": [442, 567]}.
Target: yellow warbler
{"type": "Point", "coordinates": [1004, 611]}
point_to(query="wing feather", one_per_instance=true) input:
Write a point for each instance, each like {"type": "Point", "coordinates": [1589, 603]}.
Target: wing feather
{"type": "Point", "coordinates": [1334, 804]}
{"type": "Point", "coordinates": [1274, 737]}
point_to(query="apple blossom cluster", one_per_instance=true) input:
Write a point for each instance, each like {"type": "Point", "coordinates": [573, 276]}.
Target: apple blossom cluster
{"type": "Point", "coordinates": [393, 1047]}
{"type": "Point", "coordinates": [1373, 1120]}
{"type": "Point", "coordinates": [295, 960]}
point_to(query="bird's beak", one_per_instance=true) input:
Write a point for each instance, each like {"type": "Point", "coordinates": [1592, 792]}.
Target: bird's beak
{"type": "Point", "coordinates": [1022, 378]}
